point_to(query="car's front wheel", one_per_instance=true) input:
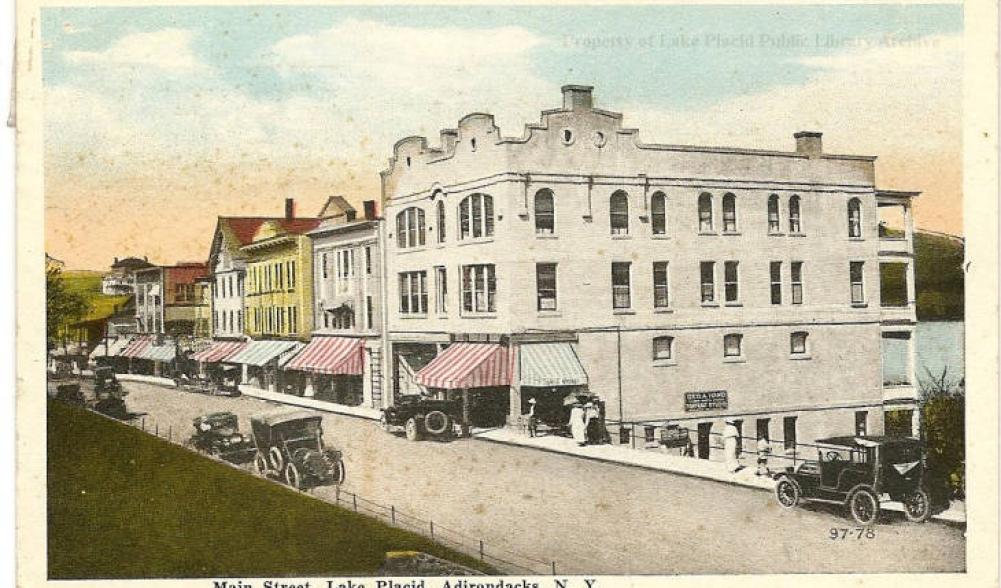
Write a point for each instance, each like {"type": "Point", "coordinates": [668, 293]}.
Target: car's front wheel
{"type": "Point", "coordinates": [413, 431]}
{"type": "Point", "coordinates": [917, 506]}
{"type": "Point", "coordinates": [436, 422]}
{"type": "Point", "coordinates": [787, 493]}
{"type": "Point", "coordinates": [277, 459]}
{"type": "Point", "coordinates": [292, 477]}
{"type": "Point", "coordinates": [864, 506]}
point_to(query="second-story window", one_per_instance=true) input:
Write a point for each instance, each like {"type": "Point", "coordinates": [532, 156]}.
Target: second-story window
{"type": "Point", "coordinates": [732, 344]}
{"type": "Point", "coordinates": [479, 288]}
{"type": "Point", "coordinates": [618, 213]}
{"type": "Point", "coordinates": [410, 228]}
{"type": "Point", "coordinates": [775, 277]}
{"type": "Point", "coordinates": [476, 216]}
{"type": "Point", "coordinates": [663, 347]}
{"type": "Point", "coordinates": [731, 285]}
{"type": "Point", "coordinates": [707, 279]}
{"type": "Point", "coordinates": [440, 211]}
{"type": "Point", "coordinates": [855, 218]}
{"type": "Point", "coordinates": [413, 293]}
{"type": "Point", "coordinates": [855, 275]}
{"type": "Point", "coordinates": [661, 298]}
{"type": "Point", "coordinates": [774, 225]}
{"type": "Point", "coordinates": [621, 296]}
{"type": "Point", "coordinates": [545, 286]}
{"type": "Point", "coordinates": [797, 343]}
{"type": "Point", "coordinates": [291, 275]}
{"type": "Point", "coordinates": [545, 213]}
{"type": "Point", "coordinates": [729, 213]}
{"type": "Point", "coordinates": [794, 220]}
{"type": "Point", "coordinates": [796, 271]}
{"type": "Point", "coordinates": [658, 213]}
{"type": "Point", "coordinates": [441, 289]}
{"type": "Point", "coordinates": [705, 213]}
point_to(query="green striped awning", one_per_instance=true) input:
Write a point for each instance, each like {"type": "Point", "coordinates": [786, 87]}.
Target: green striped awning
{"type": "Point", "coordinates": [550, 364]}
{"type": "Point", "coordinates": [258, 353]}
{"type": "Point", "coordinates": [165, 352]}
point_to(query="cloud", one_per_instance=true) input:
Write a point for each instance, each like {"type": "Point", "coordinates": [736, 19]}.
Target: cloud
{"type": "Point", "coordinates": [166, 50]}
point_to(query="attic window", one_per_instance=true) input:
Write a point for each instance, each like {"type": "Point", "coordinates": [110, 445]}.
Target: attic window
{"type": "Point", "coordinates": [408, 161]}
{"type": "Point", "coordinates": [599, 139]}
{"type": "Point", "coordinates": [567, 136]}
{"type": "Point", "coordinates": [472, 143]}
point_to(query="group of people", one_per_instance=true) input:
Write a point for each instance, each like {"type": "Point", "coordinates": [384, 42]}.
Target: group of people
{"type": "Point", "coordinates": [731, 449]}
{"type": "Point", "coordinates": [585, 423]}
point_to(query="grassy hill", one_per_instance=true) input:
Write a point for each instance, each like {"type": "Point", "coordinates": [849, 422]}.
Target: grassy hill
{"type": "Point", "coordinates": [938, 276]}
{"type": "Point", "coordinates": [88, 283]}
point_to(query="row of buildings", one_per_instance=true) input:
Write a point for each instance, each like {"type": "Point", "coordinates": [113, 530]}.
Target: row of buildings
{"type": "Point", "coordinates": [679, 284]}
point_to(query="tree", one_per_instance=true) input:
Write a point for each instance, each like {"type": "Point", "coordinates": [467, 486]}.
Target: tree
{"type": "Point", "coordinates": [943, 428]}
{"type": "Point", "coordinates": [62, 306]}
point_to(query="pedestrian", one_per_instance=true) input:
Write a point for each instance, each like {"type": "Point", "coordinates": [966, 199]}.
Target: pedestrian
{"type": "Point", "coordinates": [577, 424]}
{"type": "Point", "coordinates": [533, 422]}
{"type": "Point", "coordinates": [763, 450]}
{"type": "Point", "coordinates": [592, 424]}
{"type": "Point", "coordinates": [731, 437]}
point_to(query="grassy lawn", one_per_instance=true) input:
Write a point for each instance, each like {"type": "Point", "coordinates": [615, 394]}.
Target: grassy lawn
{"type": "Point", "coordinates": [88, 283]}
{"type": "Point", "coordinates": [124, 504]}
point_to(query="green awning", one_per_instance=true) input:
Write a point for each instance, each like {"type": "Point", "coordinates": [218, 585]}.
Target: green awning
{"type": "Point", "coordinates": [260, 352]}
{"type": "Point", "coordinates": [550, 364]}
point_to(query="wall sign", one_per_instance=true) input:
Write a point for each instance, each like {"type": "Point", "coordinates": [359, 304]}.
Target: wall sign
{"type": "Point", "coordinates": [705, 400]}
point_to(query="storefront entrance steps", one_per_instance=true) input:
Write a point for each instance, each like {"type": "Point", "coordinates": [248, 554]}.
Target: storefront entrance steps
{"type": "Point", "coordinates": [355, 411]}
{"type": "Point", "coordinates": [675, 464]}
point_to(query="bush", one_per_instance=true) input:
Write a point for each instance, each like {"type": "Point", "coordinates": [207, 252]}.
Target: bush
{"type": "Point", "coordinates": [943, 429]}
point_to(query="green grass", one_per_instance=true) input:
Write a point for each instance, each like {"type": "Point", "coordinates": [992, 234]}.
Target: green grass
{"type": "Point", "coordinates": [88, 283]}
{"type": "Point", "coordinates": [125, 504]}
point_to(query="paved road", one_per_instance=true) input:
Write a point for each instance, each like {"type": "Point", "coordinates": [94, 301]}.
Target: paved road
{"type": "Point", "coordinates": [591, 517]}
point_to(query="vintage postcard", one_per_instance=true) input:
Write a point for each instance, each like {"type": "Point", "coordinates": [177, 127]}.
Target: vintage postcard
{"type": "Point", "coordinates": [507, 296]}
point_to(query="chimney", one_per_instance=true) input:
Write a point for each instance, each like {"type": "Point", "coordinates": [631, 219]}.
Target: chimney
{"type": "Point", "coordinates": [370, 212]}
{"type": "Point", "coordinates": [350, 214]}
{"type": "Point", "coordinates": [116, 260]}
{"type": "Point", "coordinates": [289, 208]}
{"type": "Point", "coordinates": [809, 143]}
{"type": "Point", "coordinates": [576, 97]}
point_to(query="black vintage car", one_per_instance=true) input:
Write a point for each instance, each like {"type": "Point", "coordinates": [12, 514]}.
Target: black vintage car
{"type": "Point", "coordinates": [70, 394]}
{"type": "Point", "coordinates": [105, 381]}
{"type": "Point", "coordinates": [109, 396]}
{"type": "Point", "coordinates": [858, 472]}
{"type": "Point", "coordinates": [420, 416]}
{"type": "Point", "coordinates": [218, 434]}
{"type": "Point", "coordinates": [289, 446]}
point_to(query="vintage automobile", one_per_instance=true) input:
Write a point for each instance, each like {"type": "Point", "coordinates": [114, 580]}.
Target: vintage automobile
{"type": "Point", "coordinates": [858, 472]}
{"type": "Point", "coordinates": [289, 446]}
{"type": "Point", "coordinates": [105, 381]}
{"type": "Point", "coordinates": [218, 434]}
{"type": "Point", "coordinates": [70, 394]}
{"type": "Point", "coordinates": [420, 416]}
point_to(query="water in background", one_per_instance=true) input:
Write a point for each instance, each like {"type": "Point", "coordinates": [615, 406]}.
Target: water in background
{"type": "Point", "coordinates": [938, 345]}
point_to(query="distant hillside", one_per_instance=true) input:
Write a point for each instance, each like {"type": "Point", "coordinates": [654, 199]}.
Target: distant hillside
{"type": "Point", "coordinates": [939, 277]}
{"type": "Point", "coordinates": [88, 283]}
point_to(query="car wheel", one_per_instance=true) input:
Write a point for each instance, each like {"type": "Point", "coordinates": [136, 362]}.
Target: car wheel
{"type": "Point", "coordinates": [340, 473]}
{"type": "Point", "coordinates": [261, 463]}
{"type": "Point", "coordinates": [292, 477]}
{"type": "Point", "coordinates": [413, 431]}
{"type": "Point", "coordinates": [864, 506]}
{"type": "Point", "coordinates": [277, 459]}
{"type": "Point", "coordinates": [917, 506]}
{"type": "Point", "coordinates": [436, 422]}
{"type": "Point", "coordinates": [787, 493]}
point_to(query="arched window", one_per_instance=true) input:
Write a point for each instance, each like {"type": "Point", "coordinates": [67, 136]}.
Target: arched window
{"type": "Point", "coordinates": [663, 347]}
{"type": "Point", "coordinates": [773, 214]}
{"type": "Point", "coordinates": [705, 213]}
{"type": "Point", "coordinates": [729, 213]}
{"type": "Point", "coordinates": [440, 208]}
{"type": "Point", "coordinates": [545, 213]}
{"type": "Point", "coordinates": [410, 228]}
{"type": "Point", "coordinates": [794, 222]}
{"type": "Point", "coordinates": [854, 218]}
{"type": "Point", "coordinates": [658, 213]}
{"type": "Point", "coordinates": [476, 216]}
{"type": "Point", "coordinates": [618, 213]}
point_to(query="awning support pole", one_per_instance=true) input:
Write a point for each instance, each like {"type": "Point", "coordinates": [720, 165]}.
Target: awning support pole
{"type": "Point", "coordinates": [465, 412]}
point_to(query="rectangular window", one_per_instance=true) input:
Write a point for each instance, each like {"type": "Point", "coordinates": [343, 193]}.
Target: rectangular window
{"type": "Point", "coordinates": [797, 343]}
{"type": "Point", "coordinates": [413, 293]}
{"type": "Point", "coordinates": [789, 432]}
{"type": "Point", "coordinates": [796, 270]}
{"type": "Point", "coordinates": [621, 296]}
{"type": "Point", "coordinates": [662, 347]}
{"type": "Point", "coordinates": [650, 434]}
{"type": "Point", "coordinates": [857, 284]}
{"type": "Point", "coordinates": [368, 312]}
{"type": "Point", "coordinates": [661, 298]}
{"type": "Point", "coordinates": [368, 260]}
{"type": "Point", "coordinates": [239, 321]}
{"type": "Point", "coordinates": [732, 345]}
{"type": "Point", "coordinates": [545, 286]}
{"type": "Point", "coordinates": [479, 288]}
{"type": "Point", "coordinates": [775, 277]}
{"type": "Point", "coordinates": [323, 266]}
{"type": "Point", "coordinates": [441, 290]}
{"type": "Point", "coordinates": [762, 429]}
{"type": "Point", "coordinates": [707, 273]}
{"type": "Point", "coordinates": [294, 320]}
{"type": "Point", "coordinates": [730, 282]}
{"type": "Point", "coordinates": [861, 417]}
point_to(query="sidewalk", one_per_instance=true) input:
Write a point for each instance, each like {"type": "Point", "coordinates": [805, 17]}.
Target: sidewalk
{"type": "Point", "coordinates": [676, 464]}
{"type": "Point", "coordinates": [354, 411]}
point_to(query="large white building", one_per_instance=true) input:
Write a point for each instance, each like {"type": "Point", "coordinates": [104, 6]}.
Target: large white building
{"type": "Point", "coordinates": [682, 284]}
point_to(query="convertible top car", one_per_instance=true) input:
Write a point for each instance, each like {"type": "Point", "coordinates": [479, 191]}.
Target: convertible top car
{"type": "Point", "coordinates": [218, 434]}
{"type": "Point", "coordinates": [289, 445]}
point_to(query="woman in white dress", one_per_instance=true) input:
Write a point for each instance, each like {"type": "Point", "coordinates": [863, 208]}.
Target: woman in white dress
{"type": "Point", "coordinates": [578, 428]}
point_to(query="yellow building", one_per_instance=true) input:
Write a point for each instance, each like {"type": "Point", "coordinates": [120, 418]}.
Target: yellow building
{"type": "Point", "coordinates": [278, 300]}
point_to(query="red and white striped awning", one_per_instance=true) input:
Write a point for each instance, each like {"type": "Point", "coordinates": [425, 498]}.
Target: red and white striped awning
{"type": "Point", "coordinates": [137, 346]}
{"type": "Point", "coordinates": [218, 351]}
{"type": "Point", "coordinates": [330, 355]}
{"type": "Point", "coordinates": [468, 365]}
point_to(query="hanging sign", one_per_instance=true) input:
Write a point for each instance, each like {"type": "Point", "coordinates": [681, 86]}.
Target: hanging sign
{"type": "Point", "coordinates": [705, 400]}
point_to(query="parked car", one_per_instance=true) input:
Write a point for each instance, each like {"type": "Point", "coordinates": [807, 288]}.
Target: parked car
{"type": "Point", "coordinates": [289, 446]}
{"type": "Point", "coordinates": [105, 381]}
{"type": "Point", "coordinates": [71, 394]}
{"type": "Point", "coordinates": [218, 434]}
{"type": "Point", "coordinates": [420, 416]}
{"type": "Point", "coordinates": [857, 472]}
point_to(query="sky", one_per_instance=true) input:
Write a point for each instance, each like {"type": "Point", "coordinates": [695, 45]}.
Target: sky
{"type": "Point", "coordinates": [157, 120]}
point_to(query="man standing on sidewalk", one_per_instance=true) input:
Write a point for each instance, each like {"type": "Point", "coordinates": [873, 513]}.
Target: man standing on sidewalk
{"type": "Point", "coordinates": [730, 439]}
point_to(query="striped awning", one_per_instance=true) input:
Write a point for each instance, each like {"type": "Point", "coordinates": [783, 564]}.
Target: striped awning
{"type": "Point", "coordinates": [258, 353]}
{"type": "Point", "coordinates": [550, 364]}
{"type": "Point", "coordinates": [113, 348]}
{"type": "Point", "coordinates": [467, 365]}
{"type": "Point", "coordinates": [137, 346]}
{"type": "Point", "coordinates": [330, 355]}
{"type": "Point", "coordinates": [165, 352]}
{"type": "Point", "coordinates": [219, 351]}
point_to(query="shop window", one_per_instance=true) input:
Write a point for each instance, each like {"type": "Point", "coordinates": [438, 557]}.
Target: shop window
{"type": "Point", "coordinates": [762, 429]}
{"type": "Point", "coordinates": [794, 215]}
{"type": "Point", "coordinates": [621, 297]}
{"type": "Point", "coordinates": [658, 213]}
{"type": "Point", "coordinates": [661, 297]}
{"type": "Point", "coordinates": [789, 432]}
{"type": "Point", "coordinates": [705, 213]}
{"type": "Point", "coordinates": [729, 213]}
{"type": "Point", "coordinates": [476, 216]}
{"type": "Point", "coordinates": [479, 288]}
{"type": "Point", "coordinates": [545, 286]}
{"type": "Point", "coordinates": [545, 213]}
{"type": "Point", "coordinates": [618, 206]}
{"type": "Point", "coordinates": [774, 225]}
{"type": "Point", "coordinates": [650, 435]}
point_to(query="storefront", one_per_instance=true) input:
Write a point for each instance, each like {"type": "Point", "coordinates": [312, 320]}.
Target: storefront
{"type": "Point", "coordinates": [549, 373]}
{"type": "Point", "coordinates": [479, 374]}
{"type": "Point", "coordinates": [261, 361]}
{"type": "Point", "coordinates": [108, 352]}
{"type": "Point", "coordinates": [133, 351]}
{"type": "Point", "coordinates": [210, 360]}
{"type": "Point", "coordinates": [161, 357]}
{"type": "Point", "coordinates": [330, 369]}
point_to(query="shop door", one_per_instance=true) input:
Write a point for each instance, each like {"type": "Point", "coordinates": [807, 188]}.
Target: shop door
{"type": "Point", "coordinates": [739, 425]}
{"type": "Point", "coordinates": [704, 430]}
{"type": "Point", "coordinates": [763, 429]}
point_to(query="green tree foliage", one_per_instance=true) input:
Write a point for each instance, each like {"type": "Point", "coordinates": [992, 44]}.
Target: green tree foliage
{"type": "Point", "coordinates": [943, 423]}
{"type": "Point", "coordinates": [62, 306]}
{"type": "Point", "coordinates": [938, 276]}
